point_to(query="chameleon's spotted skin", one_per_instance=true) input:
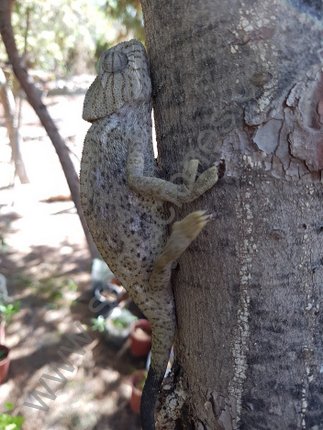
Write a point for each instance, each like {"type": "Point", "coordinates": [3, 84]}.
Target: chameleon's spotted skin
{"type": "Point", "coordinates": [123, 199]}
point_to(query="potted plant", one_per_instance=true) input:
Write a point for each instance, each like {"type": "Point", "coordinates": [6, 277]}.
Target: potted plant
{"type": "Point", "coordinates": [140, 338]}
{"type": "Point", "coordinates": [117, 325]}
{"type": "Point", "coordinates": [98, 323]}
{"type": "Point", "coordinates": [4, 362]}
{"type": "Point", "coordinates": [138, 380]}
{"type": "Point", "coordinates": [106, 297]}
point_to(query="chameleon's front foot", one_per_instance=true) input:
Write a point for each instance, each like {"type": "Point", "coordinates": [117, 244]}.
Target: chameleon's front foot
{"type": "Point", "coordinates": [194, 188]}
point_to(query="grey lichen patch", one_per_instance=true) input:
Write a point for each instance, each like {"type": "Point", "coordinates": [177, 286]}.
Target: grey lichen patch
{"type": "Point", "coordinates": [173, 402]}
{"type": "Point", "coordinates": [308, 147]}
{"type": "Point", "coordinates": [267, 136]}
{"type": "Point", "coordinates": [313, 7]}
{"type": "Point", "coordinates": [225, 419]}
{"type": "Point", "coordinates": [306, 139]}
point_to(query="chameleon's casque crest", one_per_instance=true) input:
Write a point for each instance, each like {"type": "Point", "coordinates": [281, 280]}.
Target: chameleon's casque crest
{"type": "Point", "coordinates": [123, 78]}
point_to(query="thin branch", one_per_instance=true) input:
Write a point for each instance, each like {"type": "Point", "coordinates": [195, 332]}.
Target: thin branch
{"type": "Point", "coordinates": [35, 100]}
{"type": "Point", "coordinates": [9, 106]}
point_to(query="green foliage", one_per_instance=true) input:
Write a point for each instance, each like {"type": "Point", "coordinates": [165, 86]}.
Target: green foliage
{"type": "Point", "coordinates": [9, 406]}
{"type": "Point", "coordinates": [54, 290]}
{"type": "Point", "coordinates": [121, 322]}
{"type": "Point", "coordinates": [129, 14]}
{"type": "Point", "coordinates": [10, 422]}
{"type": "Point", "coordinates": [98, 324]}
{"type": "Point", "coordinates": [7, 310]}
{"type": "Point", "coordinates": [60, 35]}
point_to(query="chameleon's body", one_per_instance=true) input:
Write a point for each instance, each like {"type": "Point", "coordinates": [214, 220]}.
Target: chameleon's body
{"type": "Point", "coordinates": [123, 200]}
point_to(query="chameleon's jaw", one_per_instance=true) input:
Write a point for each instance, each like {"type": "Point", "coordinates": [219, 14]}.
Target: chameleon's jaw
{"type": "Point", "coordinates": [94, 106]}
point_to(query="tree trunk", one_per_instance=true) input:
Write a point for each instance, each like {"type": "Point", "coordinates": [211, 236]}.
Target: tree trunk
{"type": "Point", "coordinates": [9, 106]}
{"type": "Point", "coordinates": [34, 99]}
{"type": "Point", "coordinates": [241, 81]}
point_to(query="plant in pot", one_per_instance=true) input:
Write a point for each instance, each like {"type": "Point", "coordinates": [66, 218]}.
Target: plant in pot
{"type": "Point", "coordinates": [98, 324]}
{"type": "Point", "coordinates": [140, 338]}
{"type": "Point", "coordinates": [138, 380]}
{"type": "Point", "coordinates": [117, 325]}
{"type": "Point", "coordinates": [106, 297]}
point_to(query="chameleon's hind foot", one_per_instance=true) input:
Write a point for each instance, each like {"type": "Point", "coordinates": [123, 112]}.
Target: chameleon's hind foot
{"type": "Point", "coordinates": [190, 227]}
{"type": "Point", "coordinates": [183, 233]}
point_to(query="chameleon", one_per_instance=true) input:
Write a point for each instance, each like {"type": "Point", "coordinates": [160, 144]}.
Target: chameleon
{"type": "Point", "coordinates": [125, 200]}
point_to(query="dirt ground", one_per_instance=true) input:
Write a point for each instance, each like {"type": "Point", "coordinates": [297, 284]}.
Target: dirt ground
{"type": "Point", "coordinates": [45, 260]}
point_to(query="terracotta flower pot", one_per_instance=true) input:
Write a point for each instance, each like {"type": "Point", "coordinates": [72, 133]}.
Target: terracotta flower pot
{"type": "Point", "coordinates": [4, 362]}
{"type": "Point", "coordinates": [2, 332]}
{"type": "Point", "coordinates": [137, 381]}
{"type": "Point", "coordinates": [140, 338]}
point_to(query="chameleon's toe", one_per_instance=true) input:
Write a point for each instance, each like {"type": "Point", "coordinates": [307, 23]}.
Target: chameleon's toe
{"type": "Point", "coordinates": [192, 224]}
{"type": "Point", "coordinates": [206, 181]}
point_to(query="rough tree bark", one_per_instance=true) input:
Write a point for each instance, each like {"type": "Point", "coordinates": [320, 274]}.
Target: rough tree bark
{"type": "Point", "coordinates": [241, 81]}
{"type": "Point", "coordinates": [35, 100]}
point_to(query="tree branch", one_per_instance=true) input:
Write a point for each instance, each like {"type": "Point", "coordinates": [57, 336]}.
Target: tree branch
{"type": "Point", "coordinates": [9, 107]}
{"type": "Point", "coordinates": [35, 100]}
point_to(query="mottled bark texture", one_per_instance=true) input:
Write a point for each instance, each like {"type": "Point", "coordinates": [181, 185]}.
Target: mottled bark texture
{"type": "Point", "coordinates": [241, 81]}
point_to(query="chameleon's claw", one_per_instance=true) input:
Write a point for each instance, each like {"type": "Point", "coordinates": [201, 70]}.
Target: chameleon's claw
{"type": "Point", "coordinates": [192, 224]}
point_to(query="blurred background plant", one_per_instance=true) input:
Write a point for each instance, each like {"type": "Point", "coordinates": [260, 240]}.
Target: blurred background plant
{"type": "Point", "coordinates": [62, 37]}
{"type": "Point", "coordinates": [9, 421]}
{"type": "Point", "coordinates": [8, 310]}
{"type": "Point", "coordinates": [129, 14]}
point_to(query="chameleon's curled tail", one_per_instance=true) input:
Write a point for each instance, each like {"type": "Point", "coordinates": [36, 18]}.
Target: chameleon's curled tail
{"type": "Point", "coordinates": [149, 399]}
{"type": "Point", "coordinates": [161, 314]}
{"type": "Point", "coordinates": [154, 380]}
{"type": "Point", "coordinates": [161, 310]}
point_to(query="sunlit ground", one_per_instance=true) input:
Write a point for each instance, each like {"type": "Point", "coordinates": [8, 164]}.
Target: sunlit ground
{"type": "Point", "coordinates": [44, 257]}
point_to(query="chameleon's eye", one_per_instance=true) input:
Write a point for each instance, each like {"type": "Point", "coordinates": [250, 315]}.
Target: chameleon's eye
{"type": "Point", "coordinates": [114, 62]}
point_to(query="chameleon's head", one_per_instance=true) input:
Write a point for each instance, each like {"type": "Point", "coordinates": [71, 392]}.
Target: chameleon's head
{"type": "Point", "coordinates": [123, 78]}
